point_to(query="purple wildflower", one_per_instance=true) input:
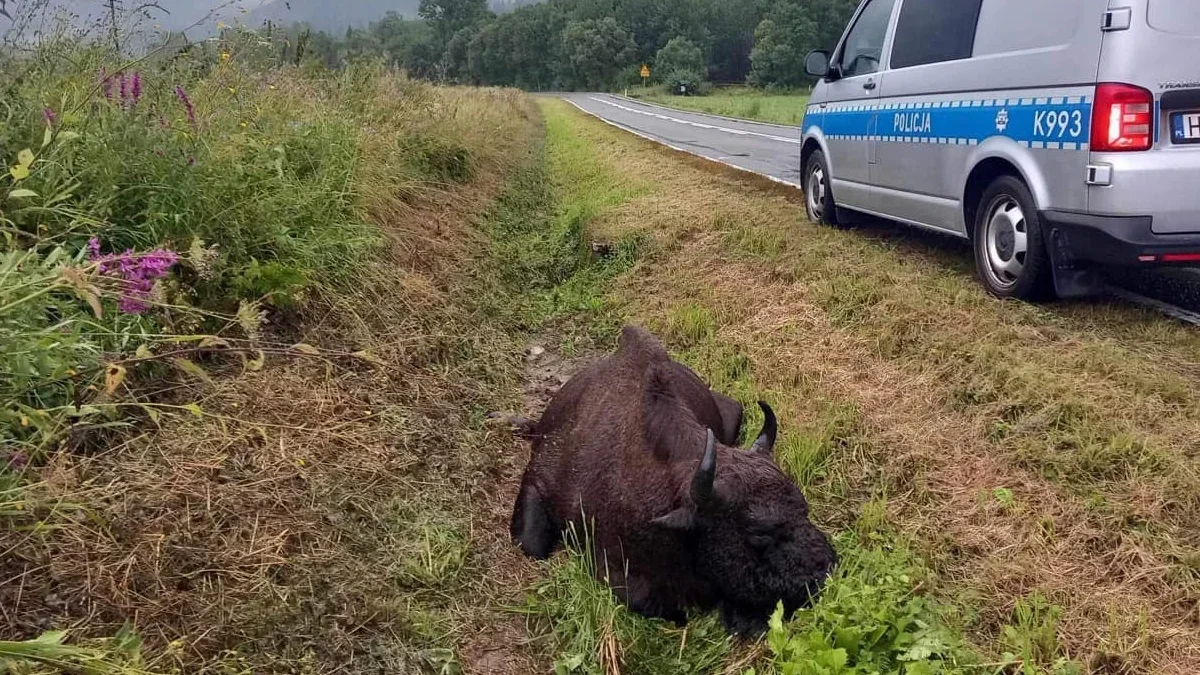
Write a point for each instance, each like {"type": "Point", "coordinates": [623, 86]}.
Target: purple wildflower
{"type": "Point", "coordinates": [136, 273]}
{"type": "Point", "coordinates": [135, 89]}
{"type": "Point", "coordinates": [106, 83]}
{"type": "Point", "coordinates": [187, 103]}
{"type": "Point", "coordinates": [49, 116]}
{"type": "Point", "coordinates": [124, 86]}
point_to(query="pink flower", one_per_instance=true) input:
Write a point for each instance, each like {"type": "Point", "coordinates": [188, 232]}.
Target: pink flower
{"type": "Point", "coordinates": [136, 273]}
{"type": "Point", "coordinates": [49, 116]}
{"type": "Point", "coordinates": [187, 103]}
{"type": "Point", "coordinates": [136, 88]}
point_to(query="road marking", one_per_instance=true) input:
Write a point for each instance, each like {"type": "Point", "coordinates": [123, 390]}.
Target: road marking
{"type": "Point", "coordinates": [676, 148]}
{"type": "Point", "coordinates": [699, 125]}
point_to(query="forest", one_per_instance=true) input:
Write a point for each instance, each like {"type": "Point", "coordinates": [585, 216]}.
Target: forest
{"type": "Point", "coordinates": [590, 44]}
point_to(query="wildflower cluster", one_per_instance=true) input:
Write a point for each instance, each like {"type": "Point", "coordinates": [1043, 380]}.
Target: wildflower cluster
{"type": "Point", "coordinates": [136, 273]}
{"type": "Point", "coordinates": [187, 103]}
{"type": "Point", "coordinates": [129, 87]}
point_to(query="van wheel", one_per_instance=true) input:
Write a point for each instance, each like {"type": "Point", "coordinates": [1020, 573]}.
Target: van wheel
{"type": "Point", "coordinates": [1010, 254]}
{"type": "Point", "coordinates": [818, 198]}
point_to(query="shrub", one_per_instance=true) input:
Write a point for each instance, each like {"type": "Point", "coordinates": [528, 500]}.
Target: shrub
{"type": "Point", "coordinates": [687, 83]}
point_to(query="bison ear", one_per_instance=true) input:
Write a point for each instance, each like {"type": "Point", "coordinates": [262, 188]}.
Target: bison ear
{"type": "Point", "coordinates": [765, 444]}
{"type": "Point", "coordinates": [682, 518]}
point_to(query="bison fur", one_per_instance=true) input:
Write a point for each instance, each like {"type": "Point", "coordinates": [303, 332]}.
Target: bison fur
{"type": "Point", "coordinates": [639, 453]}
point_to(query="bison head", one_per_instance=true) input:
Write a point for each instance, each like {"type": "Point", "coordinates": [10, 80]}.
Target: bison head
{"type": "Point", "coordinates": [746, 526]}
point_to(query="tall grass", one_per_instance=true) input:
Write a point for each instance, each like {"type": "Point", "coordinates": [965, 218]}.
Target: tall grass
{"type": "Point", "coordinates": [167, 222]}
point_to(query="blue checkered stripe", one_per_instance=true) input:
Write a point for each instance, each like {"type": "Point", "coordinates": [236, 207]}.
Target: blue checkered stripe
{"type": "Point", "coordinates": [1049, 123]}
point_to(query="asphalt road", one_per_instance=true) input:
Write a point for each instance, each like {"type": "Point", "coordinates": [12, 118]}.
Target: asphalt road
{"type": "Point", "coordinates": [770, 150]}
{"type": "Point", "coordinates": [773, 151]}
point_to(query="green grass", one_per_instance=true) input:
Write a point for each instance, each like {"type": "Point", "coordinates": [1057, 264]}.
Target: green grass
{"type": "Point", "coordinates": [897, 603]}
{"type": "Point", "coordinates": [740, 102]}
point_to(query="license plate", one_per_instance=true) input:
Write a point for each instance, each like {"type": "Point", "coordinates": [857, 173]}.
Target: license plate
{"type": "Point", "coordinates": [1185, 127]}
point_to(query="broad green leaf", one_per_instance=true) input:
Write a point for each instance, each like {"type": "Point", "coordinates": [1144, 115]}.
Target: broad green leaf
{"type": "Point", "coordinates": [19, 172]}
{"type": "Point", "coordinates": [143, 352]}
{"type": "Point", "coordinates": [47, 137]}
{"type": "Point", "coordinates": [25, 158]}
{"type": "Point", "coordinates": [66, 136]}
{"type": "Point", "coordinates": [194, 409]}
{"type": "Point", "coordinates": [21, 194]}
{"type": "Point", "coordinates": [307, 349]}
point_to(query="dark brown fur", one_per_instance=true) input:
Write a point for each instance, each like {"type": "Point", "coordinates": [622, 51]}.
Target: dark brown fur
{"type": "Point", "coordinates": [620, 447]}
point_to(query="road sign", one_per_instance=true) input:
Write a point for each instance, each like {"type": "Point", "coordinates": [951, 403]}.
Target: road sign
{"type": "Point", "coordinates": [645, 71]}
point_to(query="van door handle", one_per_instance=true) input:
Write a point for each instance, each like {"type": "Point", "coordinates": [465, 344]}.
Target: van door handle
{"type": "Point", "coordinates": [869, 85]}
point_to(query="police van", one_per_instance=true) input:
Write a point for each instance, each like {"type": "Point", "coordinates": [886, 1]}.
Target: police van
{"type": "Point", "coordinates": [1057, 136]}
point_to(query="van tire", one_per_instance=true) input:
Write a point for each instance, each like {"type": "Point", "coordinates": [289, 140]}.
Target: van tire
{"type": "Point", "coordinates": [818, 197]}
{"type": "Point", "coordinates": [1010, 252]}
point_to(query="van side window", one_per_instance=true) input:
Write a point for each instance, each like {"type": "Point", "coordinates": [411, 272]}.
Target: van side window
{"type": "Point", "coordinates": [863, 49]}
{"type": "Point", "coordinates": [932, 31]}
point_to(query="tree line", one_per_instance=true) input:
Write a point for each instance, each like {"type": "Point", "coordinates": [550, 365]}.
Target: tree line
{"type": "Point", "coordinates": [593, 44]}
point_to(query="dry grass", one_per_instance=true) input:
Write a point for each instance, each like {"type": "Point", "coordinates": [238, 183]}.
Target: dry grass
{"type": "Point", "coordinates": [323, 515]}
{"type": "Point", "coordinates": [1081, 412]}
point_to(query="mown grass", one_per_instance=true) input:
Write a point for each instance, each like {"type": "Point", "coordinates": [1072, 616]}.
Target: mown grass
{"type": "Point", "coordinates": [904, 385]}
{"type": "Point", "coordinates": [740, 102]}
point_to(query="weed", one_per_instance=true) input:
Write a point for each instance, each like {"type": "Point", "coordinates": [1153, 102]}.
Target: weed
{"type": "Point", "coordinates": [690, 324]}
{"type": "Point", "coordinates": [869, 619]}
{"type": "Point", "coordinates": [595, 634]}
{"type": "Point", "coordinates": [1032, 638]}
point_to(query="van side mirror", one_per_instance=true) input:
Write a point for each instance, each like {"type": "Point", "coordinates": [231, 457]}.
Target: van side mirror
{"type": "Point", "coordinates": [817, 63]}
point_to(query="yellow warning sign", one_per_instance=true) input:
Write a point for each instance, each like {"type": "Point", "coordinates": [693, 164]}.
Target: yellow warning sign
{"type": "Point", "coordinates": [645, 71]}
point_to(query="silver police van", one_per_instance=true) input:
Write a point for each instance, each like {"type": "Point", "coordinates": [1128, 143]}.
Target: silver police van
{"type": "Point", "coordinates": [1057, 136]}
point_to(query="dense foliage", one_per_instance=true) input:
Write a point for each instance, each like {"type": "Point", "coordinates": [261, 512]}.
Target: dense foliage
{"type": "Point", "coordinates": [595, 44]}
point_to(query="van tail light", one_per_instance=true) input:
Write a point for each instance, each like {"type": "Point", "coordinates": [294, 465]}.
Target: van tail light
{"type": "Point", "coordinates": [1122, 118]}
{"type": "Point", "coordinates": [1181, 257]}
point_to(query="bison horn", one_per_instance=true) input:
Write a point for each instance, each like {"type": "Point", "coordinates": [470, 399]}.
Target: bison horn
{"type": "Point", "coordinates": [684, 517]}
{"type": "Point", "coordinates": [702, 482]}
{"type": "Point", "coordinates": [765, 444]}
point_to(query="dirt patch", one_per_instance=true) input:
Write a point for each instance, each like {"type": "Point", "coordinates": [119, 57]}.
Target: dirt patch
{"type": "Point", "coordinates": [500, 644]}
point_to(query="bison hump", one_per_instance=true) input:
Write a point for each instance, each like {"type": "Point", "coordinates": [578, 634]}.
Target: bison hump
{"type": "Point", "coordinates": [640, 345]}
{"type": "Point", "coordinates": [670, 425]}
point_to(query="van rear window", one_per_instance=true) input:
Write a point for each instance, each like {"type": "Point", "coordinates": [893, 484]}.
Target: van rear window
{"type": "Point", "coordinates": [932, 31]}
{"type": "Point", "coordinates": [1174, 16]}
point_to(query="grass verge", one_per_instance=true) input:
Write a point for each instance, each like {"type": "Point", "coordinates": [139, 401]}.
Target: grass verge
{"type": "Point", "coordinates": [1033, 465]}
{"type": "Point", "coordinates": [740, 102]}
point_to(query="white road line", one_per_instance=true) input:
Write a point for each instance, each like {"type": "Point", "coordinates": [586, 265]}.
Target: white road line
{"type": "Point", "coordinates": [700, 125]}
{"type": "Point", "coordinates": [676, 148]}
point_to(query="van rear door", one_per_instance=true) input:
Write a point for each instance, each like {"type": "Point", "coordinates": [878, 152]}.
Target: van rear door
{"type": "Point", "coordinates": [1155, 45]}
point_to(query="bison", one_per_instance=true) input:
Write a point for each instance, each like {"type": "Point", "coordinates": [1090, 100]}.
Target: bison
{"type": "Point", "coordinates": [639, 451]}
